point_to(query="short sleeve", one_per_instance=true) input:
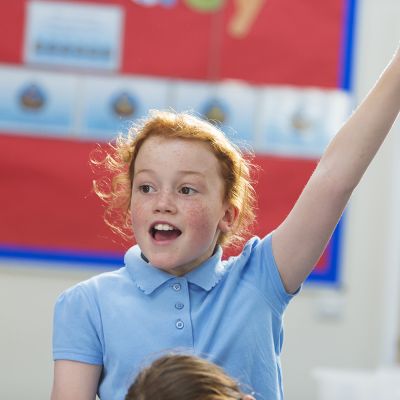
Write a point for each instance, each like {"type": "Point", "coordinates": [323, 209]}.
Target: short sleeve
{"type": "Point", "coordinates": [262, 272]}
{"type": "Point", "coordinates": [77, 328]}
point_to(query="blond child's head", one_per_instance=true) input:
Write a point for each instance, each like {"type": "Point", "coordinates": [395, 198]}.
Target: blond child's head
{"type": "Point", "coordinates": [184, 377]}
{"type": "Point", "coordinates": [166, 138]}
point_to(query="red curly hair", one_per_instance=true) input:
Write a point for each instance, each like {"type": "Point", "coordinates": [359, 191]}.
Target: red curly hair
{"type": "Point", "coordinates": [120, 162]}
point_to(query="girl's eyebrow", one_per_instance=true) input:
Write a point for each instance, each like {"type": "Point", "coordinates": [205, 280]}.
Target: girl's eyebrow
{"type": "Point", "coordinates": [190, 172]}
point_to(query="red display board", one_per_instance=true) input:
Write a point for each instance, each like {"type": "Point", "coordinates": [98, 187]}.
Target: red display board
{"type": "Point", "coordinates": [47, 206]}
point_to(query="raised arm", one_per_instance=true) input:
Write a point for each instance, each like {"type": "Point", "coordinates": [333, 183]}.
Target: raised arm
{"type": "Point", "coordinates": [75, 381]}
{"type": "Point", "coordinates": [300, 240]}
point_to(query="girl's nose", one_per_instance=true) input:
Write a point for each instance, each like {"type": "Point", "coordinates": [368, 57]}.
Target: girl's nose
{"type": "Point", "coordinates": [165, 203]}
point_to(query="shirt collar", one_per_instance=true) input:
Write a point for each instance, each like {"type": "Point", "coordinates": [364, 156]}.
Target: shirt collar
{"type": "Point", "coordinates": [208, 274]}
{"type": "Point", "coordinates": [148, 278]}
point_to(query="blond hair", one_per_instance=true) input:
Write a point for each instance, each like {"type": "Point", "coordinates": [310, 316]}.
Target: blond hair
{"type": "Point", "coordinates": [120, 162]}
{"type": "Point", "coordinates": [183, 377]}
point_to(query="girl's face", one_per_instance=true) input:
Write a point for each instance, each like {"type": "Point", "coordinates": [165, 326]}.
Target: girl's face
{"type": "Point", "coordinates": [177, 203]}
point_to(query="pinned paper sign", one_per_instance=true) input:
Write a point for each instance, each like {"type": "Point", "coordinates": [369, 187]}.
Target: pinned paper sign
{"type": "Point", "coordinates": [230, 105]}
{"type": "Point", "coordinates": [30, 101]}
{"type": "Point", "coordinates": [110, 105]}
{"type": "Point", "coordinates": [74, 35]}
{"type": "Point", "coordinates": [299, 122]}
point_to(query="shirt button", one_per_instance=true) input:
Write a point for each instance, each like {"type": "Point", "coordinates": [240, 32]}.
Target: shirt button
{"type": "Point", "coordinates": [176, 287]}
{"type": "Point", "coordinates": [179, 324]}
{"type": "Point", "coordinates": [179, 306]}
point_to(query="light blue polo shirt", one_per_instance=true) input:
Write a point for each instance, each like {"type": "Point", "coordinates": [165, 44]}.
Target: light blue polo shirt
{"type": "Point", "coordinates": [229, 312]}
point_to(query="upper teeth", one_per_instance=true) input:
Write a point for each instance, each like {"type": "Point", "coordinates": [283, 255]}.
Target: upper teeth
{"type": "Point", "coordinates": [163, 227]}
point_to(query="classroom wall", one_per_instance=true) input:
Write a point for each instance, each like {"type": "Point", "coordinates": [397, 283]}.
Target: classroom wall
{"type": "Point", "coordinates": [353, 326]}
{"type": "Point", "coordinates": [357, 325]}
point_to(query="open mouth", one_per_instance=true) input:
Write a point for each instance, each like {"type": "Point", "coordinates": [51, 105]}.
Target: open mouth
{"type": "Point", "coordinates": [163, 232]}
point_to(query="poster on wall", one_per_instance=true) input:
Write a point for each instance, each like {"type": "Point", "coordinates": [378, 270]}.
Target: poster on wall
{"type": "Point", "coordinates": [112, 104]}
{"type": "Point", "coordinates": [299, 122]}
{"type": "Point", "coordinates": [255, 68]}
{"type": "Point", "coordinates": [231, 105]}
{"type": "Point", "coordinates": [30, 102]}
{"type": "Point", "coordinates": [71, 34]}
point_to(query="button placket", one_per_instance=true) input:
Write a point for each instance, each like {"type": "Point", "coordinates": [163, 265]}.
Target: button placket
{"type": "Point", "coordinates": [180, 297]}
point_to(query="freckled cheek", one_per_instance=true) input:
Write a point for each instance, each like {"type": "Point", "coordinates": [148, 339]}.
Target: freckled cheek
{"type": "Point", "coordinates": [138, 212]}
{"type": "Point", "coordinates": [201, 218]}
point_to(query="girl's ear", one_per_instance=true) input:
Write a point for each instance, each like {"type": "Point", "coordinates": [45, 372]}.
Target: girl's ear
{"type": "Point", "coordinates": [229, 219]}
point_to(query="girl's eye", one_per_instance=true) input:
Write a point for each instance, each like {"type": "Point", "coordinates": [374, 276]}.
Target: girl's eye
{"type": "Point", "coordinates": [187, 190]}
{"type": "Point", "coordinates": [146, 188]}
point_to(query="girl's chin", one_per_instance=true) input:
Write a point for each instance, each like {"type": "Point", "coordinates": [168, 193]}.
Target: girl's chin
{"type": "Point", "coordinates": [163, 266]}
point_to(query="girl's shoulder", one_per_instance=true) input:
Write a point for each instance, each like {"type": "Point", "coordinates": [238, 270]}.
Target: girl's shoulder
{"type": "Point", "coordinates": [256, 266]}
{"type": "Point", "coordinates": [98, 284]}
{"type": "Point", "coordinates": [253, 250]}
